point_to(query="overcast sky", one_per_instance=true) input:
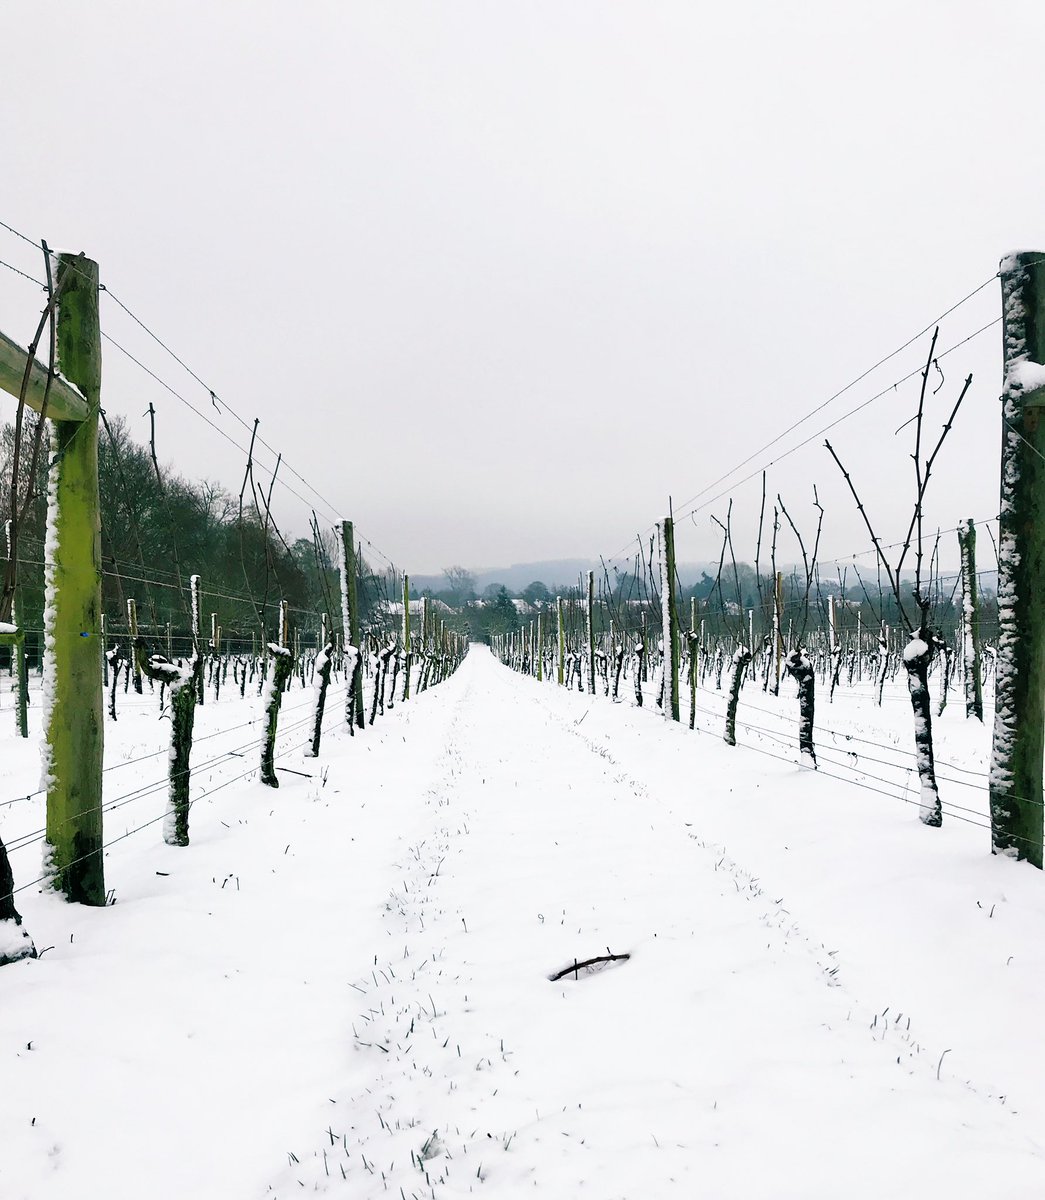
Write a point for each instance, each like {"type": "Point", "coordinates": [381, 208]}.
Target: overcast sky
{"type": "Point", "coordinates": [501, 277]}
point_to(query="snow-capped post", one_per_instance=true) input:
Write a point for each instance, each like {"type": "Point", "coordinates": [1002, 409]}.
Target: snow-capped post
{"type": "Point", "coordinates": [832, 647]}
{"type": "Point", "coordinates": [73, 606]}
{"type": "Point", "coordinates": [182, 683]}
{"type": "Point", "coordinates": [694, 660]}
{"type": "Point", "coordinates": [540, 647]}
{"type": "Point", "coordinates": [669, 618]}
{"type": "Point", "coordinates": [883, 663]}
{"type": "Point", "coordinates": [350, 619]}
{"type": "Point", "coordinates": [132, 631]}
{"type": "Point", "coordinates": [215, 643]}
{"type": "Point", "coordinates": [589, 628]}
{"type": "Point", "coordinates": [282, 666]}
{"type": "Point", "coordinates": [778, 633]}
{"type": "Point", "coordinates": [561, 674]}
{"type": "Point", "coordinates": [859, 646]}
{"type": "Point", "coordinates": [422, 682]}
{"type": "Point", "coordinates": [196, 611]}
{"type": "Point", "coordinates": [1019, 713]}
{"type": "Point", "coordinates": [408, 658]}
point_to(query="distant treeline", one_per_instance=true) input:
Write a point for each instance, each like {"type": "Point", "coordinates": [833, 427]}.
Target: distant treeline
{"type": "Point", "coordinates": [158, 528]}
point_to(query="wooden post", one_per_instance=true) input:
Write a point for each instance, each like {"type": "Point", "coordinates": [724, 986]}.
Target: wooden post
{"type": "Point", "coordinates": [589, 621]}
{"type": "Point", "coordinates": [350, 615]}
{"type": "Point", "coordinates": [670, 619]}
{"type": "Point", "coordinates": [282, 666]}
{"type": "Point", "coordinates": [132, 630]}
{"type": "Point", "coordinates": [859, 645]}
{"type": "Point", "coordinates": [1019, 715]}
{"type": "Point", "coordinates": [195, 601]}
{"type": "Point", "coordinates": [778, 633]}
{"type": "Point", "coordinates": [832, 644]}
{"type": "Point", "coordinates": [426, 653]}
{"type": "Point", "coordinates": [196, 609]}
{"type": "Point", "coordinates": [407, 658]}
{"type": "Point", "coordinates": [970, 621]}
{"type": "Point", "coordinates": [694, 660]}
{"type": "Point", "coordinates": [72, 619]}
{"type": "Point", "coordinates": [562, 642]}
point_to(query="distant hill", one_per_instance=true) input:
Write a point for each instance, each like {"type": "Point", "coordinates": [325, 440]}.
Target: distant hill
{"type": "Point", "coordinates": [555, 574]}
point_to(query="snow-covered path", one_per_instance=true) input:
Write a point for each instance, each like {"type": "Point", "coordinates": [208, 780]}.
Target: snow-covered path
{"type": "Point", "coordinates": [722, 1059]}
{"type": "Point", "coordinates": [370, 1012]}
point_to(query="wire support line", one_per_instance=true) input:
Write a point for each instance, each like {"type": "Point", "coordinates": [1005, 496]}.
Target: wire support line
{"type": "Point", "coordinates": [695, 508]}
{"type": "Point", "coordinates": [865, 786]}
{"type": "Point", "coordinates": [308, 702]}
{"type": "Point", "coordinates": [153, 788]}
{"type": "Point", "coordinates": [334, 694]}
{"type": "Point", "coordinates": [220, 402]}
{"type": "Point", "coordinates": [842, 391]}
{"type": "Point", "coordinates": [19, 234]}
{"type": "Point", "coordinates": [172, 582]}
{"type": "Point", "coordinates": [155, 820]}
{"type": "Point", "coordinates": [822, 750]}
{"type": "Point", "coordinates": [39, 282]}
{"type": "Point", "coordinates": [821, 729]}
{"type": "Point", "coordinates": [199, 413]}
{"type": "Point", "coordinates": [843, 558]}
{"type": "Point", "coordinates": [947, 805]}
{"type": "Point", "coordinates": [837, 421]}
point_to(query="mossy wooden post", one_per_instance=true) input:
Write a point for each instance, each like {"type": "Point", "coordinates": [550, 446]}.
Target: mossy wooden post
{"type": "Point", "coordinates": [971, 676]}
{"type": "Point", "coordinates": [350, 616]}
{"type": "Point", "coordinates": [15, 642]}
{"type": "Point", "coordinates": [407, 656]}
{"type": "Point", "coordinates": [670, 618]}
{"type": "Point", "coordinates": [72, 620]}
{"type": "Point", "coordinates": [1019, 714]}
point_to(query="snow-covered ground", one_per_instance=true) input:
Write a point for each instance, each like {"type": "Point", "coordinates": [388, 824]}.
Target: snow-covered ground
{"type": "Point", "coordinates": [343, 986]}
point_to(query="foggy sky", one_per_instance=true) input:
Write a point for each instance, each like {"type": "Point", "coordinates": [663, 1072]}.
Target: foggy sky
{"type": "Point", "coordinates": [501, 278]}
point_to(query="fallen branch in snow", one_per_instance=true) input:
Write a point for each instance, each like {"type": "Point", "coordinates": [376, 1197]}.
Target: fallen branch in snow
{"type": "Point", "coordinates": [588, 962]}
